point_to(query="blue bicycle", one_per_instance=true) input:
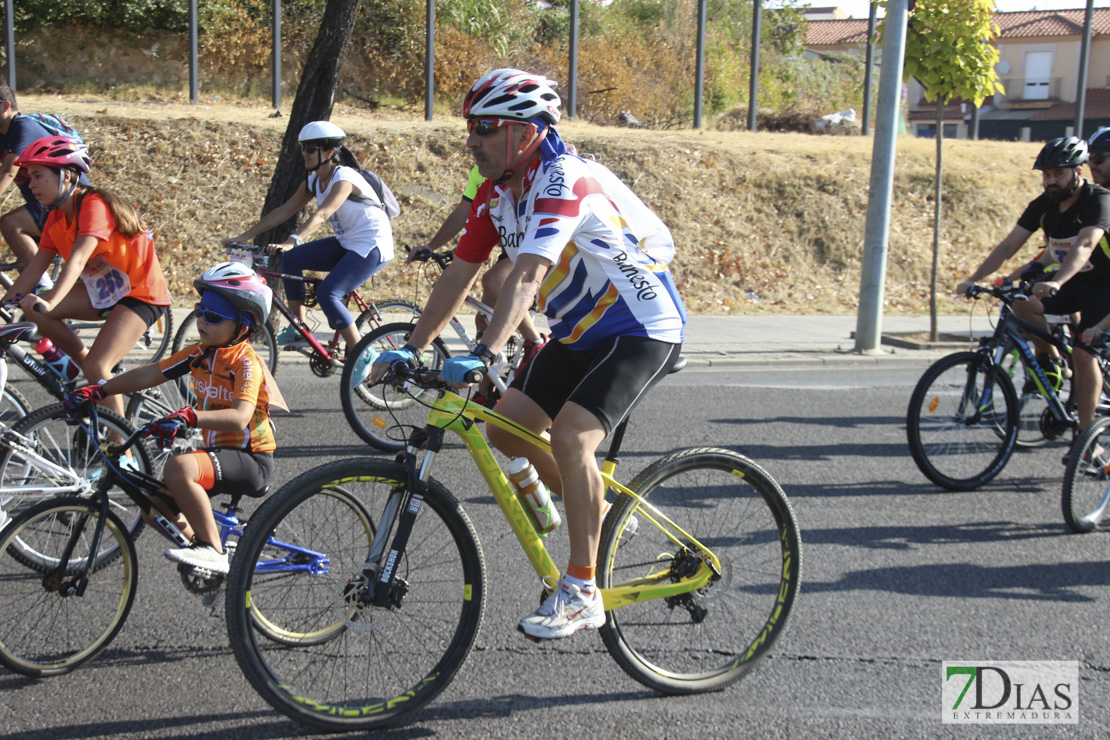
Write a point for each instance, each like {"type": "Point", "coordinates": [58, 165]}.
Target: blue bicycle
{"type": "Point", "coordinates": [69, 574]}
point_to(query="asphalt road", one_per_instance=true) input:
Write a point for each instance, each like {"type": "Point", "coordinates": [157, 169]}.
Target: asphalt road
{"type": "Point", "coordinates": [898, 576]}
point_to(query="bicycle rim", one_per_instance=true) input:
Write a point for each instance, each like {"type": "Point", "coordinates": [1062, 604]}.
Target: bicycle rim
{"type": "Point", "coordinates": [709, 638]}
{"type": "Point", "coordinates": [386, 663]}
{"type": "Point", "coordinates": [381, 415]}
{"type": "Point", "coordinates": [285, 607]}
{"type": "Point", "coordinates": [69, 447]}
{"type": "Point", "coordinates": [42, 631]}
{"type": "Point", "coordinates": [960, 433]}
{"type": "Point", "coordinates": [1085, 496]}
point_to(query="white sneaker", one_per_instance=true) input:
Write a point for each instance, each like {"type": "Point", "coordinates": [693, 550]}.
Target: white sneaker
{"type": "Point", "coordinates": [565, 612]}
{"type": "Point", "coordinates": [200, 555]}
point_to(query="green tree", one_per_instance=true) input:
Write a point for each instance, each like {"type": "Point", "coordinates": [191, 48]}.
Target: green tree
{"type": "Point", "coordinates": [948, 51]}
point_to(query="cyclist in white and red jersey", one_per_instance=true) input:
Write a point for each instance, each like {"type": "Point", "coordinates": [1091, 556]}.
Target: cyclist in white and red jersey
{"type": "Point", "coordinates": [597, 257]}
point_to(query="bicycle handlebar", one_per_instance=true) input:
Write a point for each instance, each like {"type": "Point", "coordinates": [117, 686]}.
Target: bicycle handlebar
{"type": "Point", "coordinates": [423, 377]}
{"type": "Point", "coordinates": [246, 247]}
{"type": "Point", "coordinates": [440, 258]}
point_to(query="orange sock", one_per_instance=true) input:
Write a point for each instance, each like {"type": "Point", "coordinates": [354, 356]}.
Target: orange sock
{"type": "Point", "coordinates": [582, 572]}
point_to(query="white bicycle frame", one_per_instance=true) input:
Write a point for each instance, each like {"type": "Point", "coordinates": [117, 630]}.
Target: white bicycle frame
{"type": "Point", "coordinates": [66, 479]}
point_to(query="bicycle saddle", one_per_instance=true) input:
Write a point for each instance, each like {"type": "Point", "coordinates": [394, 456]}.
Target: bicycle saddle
{"type": "Point", "coordinates": [22, 331]}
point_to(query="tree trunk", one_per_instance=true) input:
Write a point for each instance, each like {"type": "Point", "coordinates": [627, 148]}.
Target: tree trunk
{"type": "Point", "coordinates": [936, 221]}
{"type": "Point", "coordinates": [314, 100]}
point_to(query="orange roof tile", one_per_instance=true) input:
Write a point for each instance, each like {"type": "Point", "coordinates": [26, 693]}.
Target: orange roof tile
{"type": "Point", "coordinates": [1021, 24]}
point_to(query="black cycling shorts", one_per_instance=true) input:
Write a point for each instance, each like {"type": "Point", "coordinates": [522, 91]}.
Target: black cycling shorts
{"type": "Point", "coordinates": [1091, 300]}
{"type": "Point", "coordinates": [608, 381]}
{"type": "Point", "coordinates": [148, 312]}
{"type": "Point", "coordinates": [239, 471]}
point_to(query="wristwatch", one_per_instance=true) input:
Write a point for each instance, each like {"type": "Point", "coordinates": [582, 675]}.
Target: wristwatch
{"type": "Point", "coordinates": [483, 353]}
{"type": "Point", "coordinates": [297, 241]}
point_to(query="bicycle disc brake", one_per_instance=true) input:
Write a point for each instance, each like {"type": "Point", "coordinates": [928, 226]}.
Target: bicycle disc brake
{"type": "Point", "coordinates": [359, 598]}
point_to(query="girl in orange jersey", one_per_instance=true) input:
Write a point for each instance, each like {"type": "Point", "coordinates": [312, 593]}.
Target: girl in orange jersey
{"type": "Point", "coordinates": [234, 391]}
{"type": "Point", "coordinates": [105, 244]}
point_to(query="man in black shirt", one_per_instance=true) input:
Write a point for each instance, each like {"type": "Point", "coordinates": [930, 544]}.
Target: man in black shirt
{"type": "Point", "coordinates": [1075, 217]}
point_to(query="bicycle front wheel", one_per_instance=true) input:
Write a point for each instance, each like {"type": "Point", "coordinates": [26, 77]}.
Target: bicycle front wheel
{"type": "Point", "coordinates": [70, 447]}
{"type": "Point", "coordinates": [960, 428]}
{"type": "Point", "coordinates": [388, 311]}
{"type": "Point", "coordinates": [1086, 491]}
{"type": "Point", "coordinates": [158, 402]}
{"type": "Point", "coordinates": [45, 627]}
{"type": "Point", "coordinates": [706, 639]}
{"type": "Point", "coordinates": [385, 663]}
{"type": "Point", "coordinates": [262, 341]}
{"type": "Point", "coordinates": [381, 415]}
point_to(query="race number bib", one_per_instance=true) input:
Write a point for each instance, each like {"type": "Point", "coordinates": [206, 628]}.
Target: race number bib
{"type": "Point", "coordinates": [241, 256]}
{"type": "Point", "coordinates": [106, 284]}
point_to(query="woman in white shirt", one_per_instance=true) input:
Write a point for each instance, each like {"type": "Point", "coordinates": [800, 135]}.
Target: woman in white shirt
{"type": "Point", "coordinates": [363, 240]}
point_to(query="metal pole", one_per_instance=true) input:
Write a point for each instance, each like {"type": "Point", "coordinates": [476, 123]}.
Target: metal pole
{"type": "Point", "coordinates": [753, 83]}
{"type": "Point", "coordinates": [869, 73]}
{"type": "Point", "coordinates": [877, 229]}
{"type": "Point", "coordinates": [430, 61]}
{"type": "Point", "coordinates": [193, 84]}
{"type": "Point", "coordinates": [974, 134]}
{"type": "Point", "coordinates": [572, 63]}
{"type": "Point", "coordinates": [699, 66]}
{"type": "Point", "coordinates": [9, 28]}
{"type": "Point", "coordinates": [275, 58]}
{"type": "Point", "coordinates": [1084, 60]}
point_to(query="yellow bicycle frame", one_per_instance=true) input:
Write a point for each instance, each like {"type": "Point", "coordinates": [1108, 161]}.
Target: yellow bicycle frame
{"type": "Point", "coordinates": [452, 413]}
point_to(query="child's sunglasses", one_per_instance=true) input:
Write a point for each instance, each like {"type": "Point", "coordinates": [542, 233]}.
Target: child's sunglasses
{"type": "Point", "coordinates": [209, 316]}
{"type": "Point", "coordinates": [484, 126]}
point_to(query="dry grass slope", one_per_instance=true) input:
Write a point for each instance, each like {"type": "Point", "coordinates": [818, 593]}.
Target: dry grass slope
{"type": "Point", "coordinates": [777, 215]}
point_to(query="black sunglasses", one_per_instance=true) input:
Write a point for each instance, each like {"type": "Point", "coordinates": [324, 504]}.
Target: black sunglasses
{"type": "Point", "coordinates": [483, 126]}
{"type": "Point", "coordinates": [310, 148]}
{"type": "Point", "coordinates": [209, 316]}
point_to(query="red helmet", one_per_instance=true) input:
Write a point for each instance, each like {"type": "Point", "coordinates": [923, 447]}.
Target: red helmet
{"type": "Point", "coordinates": [59, 152]}
{"type": "Point", "coordinates": [245, 289]}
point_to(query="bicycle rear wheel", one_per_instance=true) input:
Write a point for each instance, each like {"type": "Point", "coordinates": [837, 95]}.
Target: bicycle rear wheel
{"type": "Point", "coordinates": [263, 341]}
{"type": "Point", "coordinates": [960, 432]}
{"type": "Point", "coordinates": [156, 403]}
{"type": "Point", "coordinates": [381, 415]}
{"type": "Point", "coordinates": [45, 629]}
{"type": "Point", "coordinates": [67, 446]}
{"type": "Point", "coordinates": [1085, 496]}
{"type": "Point", "coordinates": [385, 663]}
{"type": "Point", "coordinates": [709, 638]}
{"type": "Point", "coordinates": [1031, 402]}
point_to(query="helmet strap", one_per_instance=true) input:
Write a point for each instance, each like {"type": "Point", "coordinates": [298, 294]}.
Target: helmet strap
{"type": "Point", "coordinates": [63, 194]}
{"type": "Point", "coordinates": [526, 155]}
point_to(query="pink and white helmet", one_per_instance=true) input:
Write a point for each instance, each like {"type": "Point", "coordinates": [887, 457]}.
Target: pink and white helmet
{"type": "Point", "coordinates": [513, 94]}
{"type": "Point", "coordinates": [59, 152]}
{"type": "Point", "coordinates": [242, 286]}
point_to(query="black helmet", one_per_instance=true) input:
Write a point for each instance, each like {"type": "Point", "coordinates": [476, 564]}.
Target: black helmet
{"type": "Point", "coordinates": [1067, 151]}
{"type": "Point", "coordinates": [1099, 141]}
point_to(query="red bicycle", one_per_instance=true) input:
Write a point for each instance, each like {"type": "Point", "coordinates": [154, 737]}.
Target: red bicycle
{"type": "Point", "coordinates": [324, 358]}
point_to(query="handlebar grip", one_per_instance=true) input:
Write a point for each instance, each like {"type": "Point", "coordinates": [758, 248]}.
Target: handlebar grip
{"type": "Point", "coordinates": [474, 376]}
{"type": "Point", "coordinates": [39, 308]}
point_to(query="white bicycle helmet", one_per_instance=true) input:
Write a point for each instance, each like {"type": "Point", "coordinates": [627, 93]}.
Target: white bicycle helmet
{"type": "Point", "coordinates": [323, 133]}
{"type": "Point", "coordinates": [513, 94]}
{"type": "Point", "coordinates": [239, 284]}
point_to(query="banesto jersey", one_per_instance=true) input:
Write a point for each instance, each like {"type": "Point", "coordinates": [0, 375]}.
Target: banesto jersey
{"type": "Point", "coordinates": [603, 281]}
{"type": "Point", "coordinates": [223, 375]}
